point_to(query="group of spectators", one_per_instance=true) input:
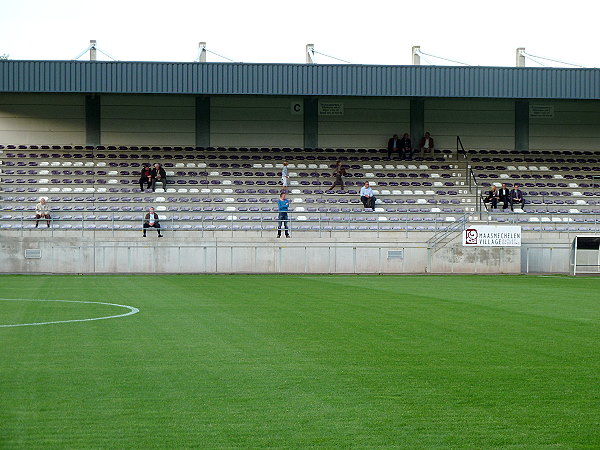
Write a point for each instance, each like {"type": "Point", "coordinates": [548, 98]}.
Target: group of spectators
{"type": "Point", "coordinates": [404, 148]}
{"type": "Point", "coordinates": [152, 175]}
{"type": "Point", "coordinates": [505, 196]}
{"type": "Point", "coordinates": [156, 174]}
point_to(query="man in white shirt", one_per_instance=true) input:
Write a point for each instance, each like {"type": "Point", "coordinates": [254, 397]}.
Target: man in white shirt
{"type": "Point", "coordinates": [366, 196]}
{"type": "Point", "coordinates": [42, 210]}
{"type": "Point", "coordinates": [285, 176]}
{"type": "Point", "coordinates": [151, 221]}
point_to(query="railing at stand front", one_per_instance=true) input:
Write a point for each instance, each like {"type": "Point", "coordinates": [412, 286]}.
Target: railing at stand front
{"type": "Point", "coordinates": [441, 223]}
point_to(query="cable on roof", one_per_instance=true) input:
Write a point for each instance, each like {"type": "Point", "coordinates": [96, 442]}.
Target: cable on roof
{"type": "Point", "coordinates": [220, 56]}
{"type": "Point", "coordinates": [439, 57]}
{"type": "Point", "coordinates": [524, 53]}
{"type": "Point", "coordinates": [332, 57]}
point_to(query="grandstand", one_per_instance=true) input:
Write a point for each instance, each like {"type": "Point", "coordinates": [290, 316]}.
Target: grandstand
{"type": "Point", "coordinates": [222, 132]}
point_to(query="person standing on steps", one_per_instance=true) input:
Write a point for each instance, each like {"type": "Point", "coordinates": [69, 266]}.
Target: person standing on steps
{"type": "Point", "coordinates": [338, 173]}
{"type": "Point", "coordinates": [285, 176]}
{"type": "Point", "coordinates": [283, 206]}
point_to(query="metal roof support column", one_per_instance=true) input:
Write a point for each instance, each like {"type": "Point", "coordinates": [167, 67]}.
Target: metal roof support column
{"type": "Point", "coordinates": [311, 122]}
{"type": "Point", "coordinates": [92, 119]}
{"type": "Point", "coordinates": [417, 120]}
{"type": "Point", "coordinates": [522, 125]}
{"type": "Point", "coordinates": [203, 121]}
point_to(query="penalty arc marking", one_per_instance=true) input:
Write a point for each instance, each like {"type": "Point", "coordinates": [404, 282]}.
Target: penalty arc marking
{"type": "Point", "coordinates": [132, 310]}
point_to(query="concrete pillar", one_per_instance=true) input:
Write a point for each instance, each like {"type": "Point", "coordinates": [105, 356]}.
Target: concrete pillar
{"type": "Point", "coordinates": [203, 121]}
{"type": "Point", "coordinates": [521, 125]}
{"type": "Point", "coordinates": [202, 52]}
{"type": "Point", "coordinates": [310, 48]}
{"type": "Point", "coordinates": [417, 120]}
{"type": "Point", "coordinates": [311, 122]}
{"type": "Point", "coordinates": [92, 120]}
{"type": "Point", "coordinates": [520, 57]}
{"type": "Point", "coordinates": [93, 50]}
{"type": "Point", "coordinates": [416, 58]}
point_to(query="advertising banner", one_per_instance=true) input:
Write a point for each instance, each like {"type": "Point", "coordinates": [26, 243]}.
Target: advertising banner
{"type": "Point", "coordinates": [492, 236]}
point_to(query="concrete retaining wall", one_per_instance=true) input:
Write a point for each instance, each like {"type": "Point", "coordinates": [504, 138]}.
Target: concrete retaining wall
{"type": "Point", "coordinates": [95, 252]}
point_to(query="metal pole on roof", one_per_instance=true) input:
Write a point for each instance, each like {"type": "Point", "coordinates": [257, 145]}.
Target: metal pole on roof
{"type": "Point", "coordinates": [416, 58]}
{"type": "Point", "coordinates": [310, 52]}
{"type": "Point", "coordinates": [520, 57]}
{"type": "Point", "coordinates": [93, 50]}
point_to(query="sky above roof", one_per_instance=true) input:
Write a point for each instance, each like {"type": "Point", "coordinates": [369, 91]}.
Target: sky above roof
{"type": "Point", "coordinates": [375, 32]}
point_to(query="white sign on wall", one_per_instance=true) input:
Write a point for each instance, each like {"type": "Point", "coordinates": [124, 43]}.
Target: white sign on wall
{"type": "Point", "coordinates": [541, 111]}
{"type": "Point", "coordinates": [331, 109]}
{"type": "Point", "coordinates": [492, 236]}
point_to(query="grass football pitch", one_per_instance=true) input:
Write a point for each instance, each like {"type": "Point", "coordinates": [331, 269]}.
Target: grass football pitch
{"type": "Point", "coordinates": [214, 361]}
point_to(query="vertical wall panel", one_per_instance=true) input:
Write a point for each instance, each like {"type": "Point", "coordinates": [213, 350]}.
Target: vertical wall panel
{"type": "Point", "coordinates": [479, 123]}
{"type": "Point", "coordinates": [248, 121]}
{"type": "Point", "coordinates": [575, 125]}
{"type": "Point", "coordinates": [366, 122]}
{"type": "Point", "coordinates": [35, 119]}
{"type": "Point", "coordinates": [148, 120]}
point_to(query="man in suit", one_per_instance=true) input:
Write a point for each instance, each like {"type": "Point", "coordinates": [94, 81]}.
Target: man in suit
{"type": "Point", "coordinates": [393, 146]}
{"type": "Point", "coordinates": [406, 146]}
{"type": "Point", "coordinates": [516, 197]}
{"type": "Point", "coordinates": [151, 221]}
{"type": "Point", "coordinates": [504, 196]}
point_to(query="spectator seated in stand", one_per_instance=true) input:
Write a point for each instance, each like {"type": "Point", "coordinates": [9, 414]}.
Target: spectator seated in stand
{"type": "Point", "coordinates": [426, 145]}
{"type": "Point", "coordinates": [151, 221]}
{"type": "Point", "coordinates": [516, 198]}
{"type": "Point", "coordinates": [406, 147]}
{"type": "Point", "coordinates": [492, 197]}
{"type": "Point", "coordinates": [504, 196]}
{"type": "Point", "coordinates": [42, 211]}
{"type": "Point", "coordinates": [393, 146]}
{"type": "Point", "coordinates": [145, 177]}
{"type": "Point", "coordinates": [159, 175]}
{"type": "Point", "coordinates": [366, 196]}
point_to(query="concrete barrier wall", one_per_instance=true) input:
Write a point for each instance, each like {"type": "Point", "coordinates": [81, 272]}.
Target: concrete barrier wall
{"type": "Point", "coordinates": [188, 252]}
{"type": "Point", "coordinates": [99, 254]}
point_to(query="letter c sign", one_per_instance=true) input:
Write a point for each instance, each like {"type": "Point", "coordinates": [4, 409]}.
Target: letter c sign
{"type": "Point", "coordinates": [297, 108]}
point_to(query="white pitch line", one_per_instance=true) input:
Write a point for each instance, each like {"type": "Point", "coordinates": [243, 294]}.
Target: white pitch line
{"type": "Point", "coordinates": [132, 310]}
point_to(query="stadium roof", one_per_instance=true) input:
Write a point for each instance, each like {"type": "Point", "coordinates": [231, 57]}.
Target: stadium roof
{"type": "Point", "coordinates": [297, 79]}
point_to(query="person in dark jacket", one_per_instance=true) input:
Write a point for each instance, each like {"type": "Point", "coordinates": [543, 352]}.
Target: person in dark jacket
{"type": "Point", "coordinates": [338, 173]}
{"type": "Point", "coordinates": [145, 177]}
{"type": "Point", "coordinates": [393, 146]}
{"type": "Point", "coordinates": [516, 197]}
{"type": "Point", "coordinates": [406, 146]}
{"type": "Point", "coordinates": [492, 197]}
{"type": "Point", "coordinates": [426, 144]}
{"type": "Point", "coordinates": [504, 196]}
{"type": "Point", "coordinates": [151, 221]}
{"type": "Point", "coordinates": [159, 175]}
